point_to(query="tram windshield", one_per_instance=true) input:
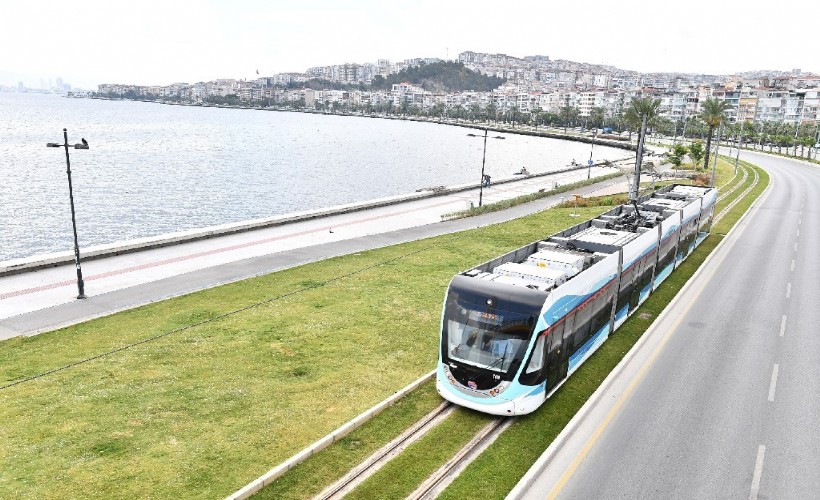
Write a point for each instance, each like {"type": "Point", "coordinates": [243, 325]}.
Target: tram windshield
{"type": "Point", "coordinates": [484, 335]}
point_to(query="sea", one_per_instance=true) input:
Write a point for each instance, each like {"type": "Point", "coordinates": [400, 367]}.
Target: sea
{"type": "Point", "coordinates": [153, 169]}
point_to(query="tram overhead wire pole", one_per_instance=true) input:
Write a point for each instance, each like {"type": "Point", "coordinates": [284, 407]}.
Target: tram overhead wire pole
{"type": "Point", "coordinates": [66, 145]}
{"type": "Point", "coordinates": [483, 163]}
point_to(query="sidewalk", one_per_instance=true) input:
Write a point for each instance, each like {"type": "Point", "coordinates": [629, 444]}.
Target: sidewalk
{"type": "Point", "coordinates": [41, 300]}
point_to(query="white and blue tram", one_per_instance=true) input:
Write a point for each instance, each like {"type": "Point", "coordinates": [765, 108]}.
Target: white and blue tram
{"type": "Point", "coordinates": [514, 328]}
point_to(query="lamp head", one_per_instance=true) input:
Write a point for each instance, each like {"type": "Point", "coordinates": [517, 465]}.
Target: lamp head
{"type": "Point", "coordinates": [81, 146]}
{"type": "Point", "coordinates": [53, 145]}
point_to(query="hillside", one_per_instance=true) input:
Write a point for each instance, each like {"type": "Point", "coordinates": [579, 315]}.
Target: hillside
{"type": "Point", "coordinates": [439, 77]}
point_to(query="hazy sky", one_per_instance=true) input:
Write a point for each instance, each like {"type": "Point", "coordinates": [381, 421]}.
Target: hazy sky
{"type": "Point", "coordinates": [162, 42]}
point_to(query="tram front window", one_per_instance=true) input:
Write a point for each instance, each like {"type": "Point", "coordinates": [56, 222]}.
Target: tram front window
{"type": "Point", "coordinates": [484, 338]}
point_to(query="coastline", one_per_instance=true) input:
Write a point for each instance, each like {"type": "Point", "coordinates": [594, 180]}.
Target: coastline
{"type": "Point", "coordinates": [42, 261]}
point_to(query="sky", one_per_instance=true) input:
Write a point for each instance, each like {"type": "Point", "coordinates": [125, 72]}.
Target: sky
{"type": "Point", "coordinates": [90, 42]}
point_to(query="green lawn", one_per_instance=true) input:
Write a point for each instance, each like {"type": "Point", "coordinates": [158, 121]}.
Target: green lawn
{"type": "Point", "coordinates": [203, 410]}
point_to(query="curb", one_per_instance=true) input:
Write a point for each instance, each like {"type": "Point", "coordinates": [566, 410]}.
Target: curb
{"type": "Point", "coordinates": [278, 471]}
{"type": "Point", "coordinates": [543, 461]}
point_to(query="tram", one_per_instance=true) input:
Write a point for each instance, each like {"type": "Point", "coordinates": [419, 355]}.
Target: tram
{"type": "Point", "coordinates": [514, 328]}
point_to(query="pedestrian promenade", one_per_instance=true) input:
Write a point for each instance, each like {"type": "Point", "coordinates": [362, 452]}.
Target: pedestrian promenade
{"type": "Point", "coordinates": [36, 301]}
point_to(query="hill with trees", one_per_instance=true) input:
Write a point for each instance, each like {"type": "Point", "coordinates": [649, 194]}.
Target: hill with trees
{"type": "Point", "coordinates": [439, 77]}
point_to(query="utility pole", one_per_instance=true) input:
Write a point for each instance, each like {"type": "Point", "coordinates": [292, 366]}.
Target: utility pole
{"type": "Point", "coordinates": [638, 161]}
{"type": "Point", "coordinates": [739, 144]}
{"type": "Point", "coordinates": [714, 163]}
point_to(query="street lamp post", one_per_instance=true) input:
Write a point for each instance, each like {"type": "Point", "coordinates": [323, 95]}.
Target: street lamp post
{"type": "Point", "coordinates": [589, 163]}
{"type": "Point", "coordinates": [483, 162]}
{"type": "Point", "coordinates": [83, 145]}
{"type": "Point", "coordinates": [714, 163]}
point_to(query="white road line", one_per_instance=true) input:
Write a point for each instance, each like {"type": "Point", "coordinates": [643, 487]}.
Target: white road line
{"type": "Point", "coordinates": [798, 233]}
{"type": "Point", "coordinates": [792, 265]}
{"type": "Point", "coordinates": [783, 325]}
{"type": "Point", "coordinates": [788, 290]}
{"type": "Point", "coordinates": [799, 222]}
{"type": "Point", "coordinates": [773, 383]}
{"type": "Point", "coordinates": [761, 451]}
{"type": "Point", "coordinates": [795, 246]}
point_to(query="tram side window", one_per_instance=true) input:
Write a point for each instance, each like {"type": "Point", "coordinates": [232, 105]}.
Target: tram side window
{"type": "Point", "coordinates": [538, 355]}
{"type": "Point", "coordinates": [666, 256]}
{"type": "Point", "coordinates": [626, 286]}
{"type": "Point", "coordinates": [602, 309]}
{"type": "Point", "coordinates": [569, 329]}
{"type": "Point", "coordinates": [646, 270]}
{"type": "Point", "coordinates": [556, 335]}
{"type": "Point", "coordinates": [583, 320]}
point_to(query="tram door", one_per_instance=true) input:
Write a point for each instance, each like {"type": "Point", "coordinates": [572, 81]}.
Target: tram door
{"type": "Point", "coordinates": [558, 354]}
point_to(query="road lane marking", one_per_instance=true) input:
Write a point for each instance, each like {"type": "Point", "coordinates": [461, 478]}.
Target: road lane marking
{"type": "Point", "coordinates": [783, 325]}
{"type": "Point", "coordinates": [773, 383]}
{"type": "Point", "coordinates": [788, 290]}
{"type": "Point", "coordinates": [761, 452]}
{"type": "Point", "coordinates": [719, 255]}
{"type": "Point", "coordinates": [559, 486]}
{"type": "Point", "coordinates": [795, 246]}
{"type": "Point", "coordinates": [792, 265]}
{"type": "Point", "coordinates": [798, 233]}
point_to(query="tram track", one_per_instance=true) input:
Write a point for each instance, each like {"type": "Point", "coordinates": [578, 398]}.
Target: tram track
{"type": "Point", "coordinates": [385, 454]}
{"type": "Point", "coordinates": [448, 472]}
{"type": "Point", "coordinates": [740, 197]}
{"type": "Point", "coordinates": [736, 185]}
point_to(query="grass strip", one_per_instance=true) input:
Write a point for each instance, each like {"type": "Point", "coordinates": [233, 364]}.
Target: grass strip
{"type": "Point", "coordinates": [500, 467]}
{"type": "Point", "coordinates": [518, 200]}
{"type": "Point", "coordinates": [318, 472]}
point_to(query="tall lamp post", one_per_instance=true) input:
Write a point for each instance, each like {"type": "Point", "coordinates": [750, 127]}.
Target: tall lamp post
{"type": "Point", "coordinates": [483, 162]}
{"type": "Point", "coordinates": [589, 163]}
{"type": "Point", "coordinates": [82, 145]}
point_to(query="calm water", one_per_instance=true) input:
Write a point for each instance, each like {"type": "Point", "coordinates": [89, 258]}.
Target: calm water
{"type": "Point", "coordinates": [155, 169]}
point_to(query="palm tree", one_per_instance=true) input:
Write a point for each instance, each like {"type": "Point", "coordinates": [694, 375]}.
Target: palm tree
{"type": "Point", "coordinates": [643, 111]}
{"type": "Point", "coordinates": [596, 116]}
{"type": "Point", "coordinates": [713, 114]}
{"type": "Point", "coordinates": [568, 114]}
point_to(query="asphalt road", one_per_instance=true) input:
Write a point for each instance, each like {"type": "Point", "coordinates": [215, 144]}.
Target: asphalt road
{"type": "Point", "coordinates": [722, 400]}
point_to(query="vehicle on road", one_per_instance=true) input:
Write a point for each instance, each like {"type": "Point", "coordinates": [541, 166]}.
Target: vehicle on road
{"type": "Point", "coordinates": [514, 328]}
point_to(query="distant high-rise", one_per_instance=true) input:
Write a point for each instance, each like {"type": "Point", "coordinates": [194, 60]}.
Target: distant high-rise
{"type": "Point", "coordinates": [60, 83]}
{"type": "Point", "coordinates": [20, 87]}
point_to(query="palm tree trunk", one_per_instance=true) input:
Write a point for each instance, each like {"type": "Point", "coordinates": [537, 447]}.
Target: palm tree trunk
{"type": "Point", "coordinates": [708, 147]}
{"type": "Point", "coordinates": [636, 188]}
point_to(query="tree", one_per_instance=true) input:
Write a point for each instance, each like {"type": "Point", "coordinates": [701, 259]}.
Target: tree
{"type": "Point", "coordinates": [645, 111]}
{"type": "Point", "coordinates": [696, 152]}
{"type": "Point", "coordinates": [676, 155]}
{"type": "Point", "coordinates": [492, 112]}
{"type": "Point", "coordinates": [713, 114]}
{"type": "Point", "coordinates": [567, 114]}
{"type": "Point", "coordinates": [596, 116]}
